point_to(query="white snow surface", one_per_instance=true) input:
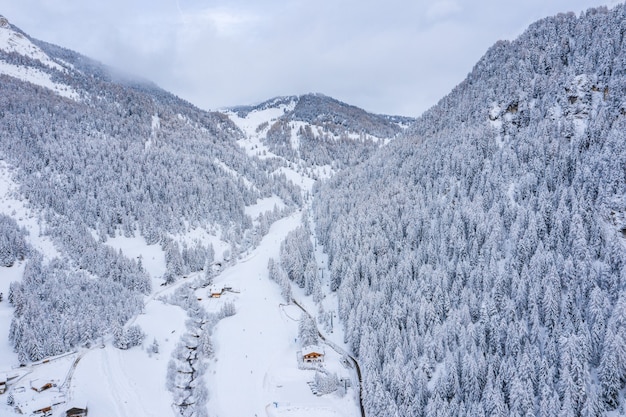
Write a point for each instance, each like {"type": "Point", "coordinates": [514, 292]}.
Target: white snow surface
{"type": "Point", "coordinates": [38, 77]}
{"type": "Point", "coordinates": [255, 118]}
{"type": "Point", "coordinates": [132, 383]}
{"type": "Point", "coordinates": [263, 205]}
{"type": "Point", "coordinates": [256, 370]}
{"type": "Point", "coordinates": [12, 41]}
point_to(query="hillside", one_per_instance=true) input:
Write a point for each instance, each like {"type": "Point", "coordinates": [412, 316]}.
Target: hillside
{"type": "Point", "coordinates": [314, 130]}
{"type": "Point", "coordinates": [120, 204]}
{"type": "Point", "coordinates": [97, 156]}
{"type": "Point", "coordinates": [479, 261]}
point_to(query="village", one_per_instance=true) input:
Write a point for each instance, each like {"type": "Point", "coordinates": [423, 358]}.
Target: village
{"type": "Point", "coordinates": [42, 388]}
{"type": "Point", "coordinates": [259, 355]}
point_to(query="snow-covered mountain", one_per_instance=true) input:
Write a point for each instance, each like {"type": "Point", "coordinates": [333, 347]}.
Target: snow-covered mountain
{"type": "Point", "coordinates": [480, 260]}
{"type": "Point", "coordinates": [158, 259]}
{"type": "Point", "coordinates": [16, 47]}
{"type": "Point", "coordinates": [93, 160]}
{"type": "Point", "coordinates": [112, 192]}
{"type": "Point", "coordinates": [315, 130]}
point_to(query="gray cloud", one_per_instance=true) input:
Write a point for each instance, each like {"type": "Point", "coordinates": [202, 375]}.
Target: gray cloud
{"type": "Point", "coordinates": [391, 56]}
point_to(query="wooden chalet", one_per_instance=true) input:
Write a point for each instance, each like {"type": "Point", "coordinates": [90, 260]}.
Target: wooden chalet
{"type": "Point", "coordinates": [313, 354]}
{"type": "Point", "coordinates": [40, 386]}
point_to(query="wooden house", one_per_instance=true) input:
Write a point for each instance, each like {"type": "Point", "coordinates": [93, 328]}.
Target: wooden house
{"type": "Point", "coordinates": [313, 354]}
{"type": "Point", "coordinates": [41, 385]}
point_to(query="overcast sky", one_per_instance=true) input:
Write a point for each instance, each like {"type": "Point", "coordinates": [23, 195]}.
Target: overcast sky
{"type": "Point", "coordinates": [386, 56]}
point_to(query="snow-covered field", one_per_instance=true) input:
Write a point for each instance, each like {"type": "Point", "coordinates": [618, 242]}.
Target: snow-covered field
{"type": "Point", "coordinates": [254, 371]}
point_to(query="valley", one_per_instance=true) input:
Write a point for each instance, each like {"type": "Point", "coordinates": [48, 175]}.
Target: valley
{"type": "Point", "coordinates": [302, 257]}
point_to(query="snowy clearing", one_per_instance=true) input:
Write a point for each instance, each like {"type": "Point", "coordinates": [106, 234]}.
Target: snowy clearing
{"type": "Point", "coordinates": [38, 77]}
{"type": "Point", "coordinates": [256, 349]}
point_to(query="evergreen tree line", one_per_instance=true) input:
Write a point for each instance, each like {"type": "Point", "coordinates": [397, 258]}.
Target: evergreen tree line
{"type": "Point", "coordinates": [297, 260]}
{"type": "Point", "coordinates": [13, 246]}
{"type": "Point", "coordinates": [479, 261]}
{"type": "Point", "coordinates": [57, 308]}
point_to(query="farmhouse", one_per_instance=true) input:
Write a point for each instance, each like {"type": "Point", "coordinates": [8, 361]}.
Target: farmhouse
{"type": "Point", "coordinates": [41, 385]}
{"type": "Point", "coordinates": [313, 354]}
{"type": "Point", "coordinates": [40, 405]}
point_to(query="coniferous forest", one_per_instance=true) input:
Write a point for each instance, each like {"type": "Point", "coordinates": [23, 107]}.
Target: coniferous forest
{"type": "Point", "coordinates": [479, 261]}
{"type": "Point", "coordinates": [477, 253]}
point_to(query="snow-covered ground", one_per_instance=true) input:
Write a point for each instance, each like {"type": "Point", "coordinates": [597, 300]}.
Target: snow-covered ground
{"type": "Point", "coordinates": [256, 368]}
{"type": "Point", "coordinates": [11, 41]}
{"type": "Point", "coordinates": [132, 382]}
{"type": "Point", "coordinates": [37, 77]}
{"type": "Point", "coordinates": [254, 372]}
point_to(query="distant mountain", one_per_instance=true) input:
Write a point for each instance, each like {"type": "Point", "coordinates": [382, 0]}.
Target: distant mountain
{"type": "Point", "coordinates": [480, 261]}
{"type": "Point", "coordinates": [316, 129]}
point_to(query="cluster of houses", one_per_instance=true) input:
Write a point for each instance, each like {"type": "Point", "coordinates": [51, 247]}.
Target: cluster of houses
{"type": "Point", "coordinates": [40, 398]}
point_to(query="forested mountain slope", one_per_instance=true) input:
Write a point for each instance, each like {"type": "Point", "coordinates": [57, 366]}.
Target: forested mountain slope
{"type": "Point", "coordinates": [480, 260]}
{"type": "Point", "coordinates": [97, 154]}
{"type": "Point", "coordinates": [317, 130]}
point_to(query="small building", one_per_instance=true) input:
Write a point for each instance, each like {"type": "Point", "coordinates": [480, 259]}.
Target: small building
{"type": "Point", "coordinates": [216, 294]}
{"type": "Point", "coordinates": [41, 405]}
{"type": "Point", "coordinates": [45, 410]}
{"type": "Point", "coordinates": [41, 385]}
{"type": "Point", "coordinates": [313, 354]}
{"type": "Point", "coordinates": [76, 412]}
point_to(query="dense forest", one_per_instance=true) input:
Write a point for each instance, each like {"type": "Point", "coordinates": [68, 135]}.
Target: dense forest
{"type": "Point", "coordinates": [118, 157]}
{"type": "Point", "coordinates": [479, 260]}
{"type": "Point", "coordinates": [478, 252]}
